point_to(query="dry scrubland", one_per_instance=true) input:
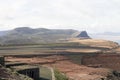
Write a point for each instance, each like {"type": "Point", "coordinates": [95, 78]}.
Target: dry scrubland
{"type": "Point", "coordinates": [74, 45]}
{"type": "Point", "coordinates": [69, 65]}
{"type": "Point", "coordinates": [62, 64]}
{"type": "Point", "coordinates": [71, 70]}
{"type": "Point", "coordinates": [96, 43]}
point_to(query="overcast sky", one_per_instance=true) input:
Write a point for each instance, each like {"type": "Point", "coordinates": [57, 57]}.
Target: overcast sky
{"type": "Point", "coordinates": [90, 15]}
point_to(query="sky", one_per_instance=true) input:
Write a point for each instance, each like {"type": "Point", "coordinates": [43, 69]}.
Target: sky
{"type": "Point", "coordinates": [90, 15]}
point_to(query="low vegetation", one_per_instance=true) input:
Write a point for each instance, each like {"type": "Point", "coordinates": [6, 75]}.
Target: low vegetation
{"type": "Point", "coordinates": [59, 75]}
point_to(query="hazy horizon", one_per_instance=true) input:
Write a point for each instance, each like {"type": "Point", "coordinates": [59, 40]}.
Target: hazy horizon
{"type": "Point", "coordinates": [90, 15]}
{"type": "Point", "coordinates": [105, 32]}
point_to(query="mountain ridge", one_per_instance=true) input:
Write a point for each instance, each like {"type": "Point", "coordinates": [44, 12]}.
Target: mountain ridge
{"type": "Point", "coordinates": [26, 35]}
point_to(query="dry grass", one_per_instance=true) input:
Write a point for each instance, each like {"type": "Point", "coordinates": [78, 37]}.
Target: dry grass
{"type": "Point", "coordinates": [95, 42]}
{"type": "Point", "coordinates": [74, 45]}
{"type": "Point", "coordinates": [83, 50]}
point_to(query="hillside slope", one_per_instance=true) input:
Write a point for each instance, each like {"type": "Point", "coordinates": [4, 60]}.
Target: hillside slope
{"type": "Point", "coordinates": [26, 35]}
{"type": "Point", "coordinates": [96, 43]}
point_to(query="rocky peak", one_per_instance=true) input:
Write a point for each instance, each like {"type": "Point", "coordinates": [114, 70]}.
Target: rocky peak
{"type": "Point", "coordinates": [82, 34]}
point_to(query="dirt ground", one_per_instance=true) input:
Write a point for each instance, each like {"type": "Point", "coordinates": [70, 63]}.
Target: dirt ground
{"type": "Point", "coordinates": [63, 64]}
{"type": "Point", "coordinates": [111, 61]}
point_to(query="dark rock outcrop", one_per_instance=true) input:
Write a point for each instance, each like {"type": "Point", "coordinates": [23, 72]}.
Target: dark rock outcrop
{"type": "Point", "coordinates": [82, 35]}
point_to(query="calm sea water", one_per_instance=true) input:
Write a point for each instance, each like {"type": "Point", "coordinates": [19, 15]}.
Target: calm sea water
{"type": "Point", "coordinates": [118, 42]}
{"type": "Point", "coordinates": [107, 37]}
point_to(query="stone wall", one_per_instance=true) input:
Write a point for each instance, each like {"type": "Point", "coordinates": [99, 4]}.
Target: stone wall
{"type": "Point", "coordinates": [10, 64]}
{"type": "Point", "coordinates": [33, 73]}
{"type": "Point", "coordinates": [28, 70]}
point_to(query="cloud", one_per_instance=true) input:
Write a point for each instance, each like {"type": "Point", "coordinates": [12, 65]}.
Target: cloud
{"type": "Point", "coordinates": [98, 15]}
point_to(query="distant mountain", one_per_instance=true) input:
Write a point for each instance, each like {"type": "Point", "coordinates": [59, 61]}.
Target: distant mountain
{"type": "Point", "coordinates": [2, 33]}
{"type": "Point", "coordinates": [26, 35]}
